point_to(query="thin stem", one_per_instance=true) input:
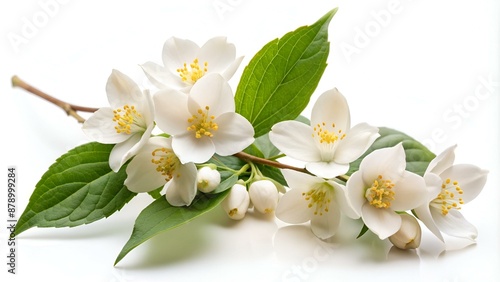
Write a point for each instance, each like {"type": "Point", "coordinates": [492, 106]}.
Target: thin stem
{"type": "Point", "coordinates": [254, 159]}
{"type": "Point", "coordinates": [70, 109]}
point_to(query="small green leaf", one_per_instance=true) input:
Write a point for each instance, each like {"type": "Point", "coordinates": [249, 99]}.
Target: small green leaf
{"type": "Point", "coordinates": [226, 183]}
{"type": "Point", "coordinates": [418, 156]}
{"type": "Point", "coordinates": [280, 79]}
{"type": "Point", "coordinates": [79, 188]}
{"type": "Point", "coordinates": [363, 231]}
{"type": "Point", "coordinates": [160, 216]}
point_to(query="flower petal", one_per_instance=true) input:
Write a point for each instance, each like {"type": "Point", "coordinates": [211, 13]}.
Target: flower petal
{"type": "Point", "coordinates": [424, 214]}
{"type": "Point", "coordinates": [442, 161]}
{"type": "Point", "coordinates": [122, 90]}
{"type": "Point", "coordinates": [356, 142]}
{"type": "Point", "coordinates": [294, 139]}
{"type": "Point", "coordinates": [469, 177]}
{"type": "Point", "coordinates": [331, 107]}
{"type": "Point", "coordinates": [324, 226]}
{"type": "Point", "coordinates": [213, 91]}
{"type": "Point", "coordinates": [191, 149]}
{"type": "Point", "coordinates": [231, 69]}
{"type": "Point", "coordinates": [101, 127]}
{"type": "Point", "coordinates": [454, 224]}
{"type": "Point", "coordinates": [355, 191]}
{"type": "Point", "coordinates": [383, 222]}
{"type": "Point", "coordinates": [292, 207]}
{"type": "Point", "coordinates": [341, 199]}
{"type": "Point", "coordinates": [409, 192]}
{"type": "Point", "coordinates": [171, 111]}
{"type": "Point", "coordinates": [388, 162]}
{"type": "Point", "coordinates": [235, 133]}
{"type": "Point", "coordinates": [327, 169]}
{"type": "Point", "coordinates": [120, 152]}
{"type": "Point", "coordinates": [178, 51]}
{"type": "Point", "coordinates": [141, 172]}
{"type": "Point", "coordinates": [181, 190]}
{"type": "Point", "coordinates": [217, 53]}
{"type": "Point", "coordinates": [160, 76]}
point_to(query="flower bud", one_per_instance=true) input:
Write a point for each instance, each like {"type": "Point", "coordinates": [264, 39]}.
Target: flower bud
{"type": "Point", "coordinates": [236, 203]}
{"type": "Point", "coordinates": [264, 196]}
{"type": "Point", "coordinates": [208, 179]}
{"type": "Point", "coordinates": [408, 236]}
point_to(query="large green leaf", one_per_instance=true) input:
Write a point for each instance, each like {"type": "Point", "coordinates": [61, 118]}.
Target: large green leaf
{"type": "Point", "coordinates": [79, 188]}
{"type": "Point", "coordinates": [160, 216]}
{"type": "Point", "coordinates": [280, 79]}
{"type": "Point", "coordinates": [418, 156]}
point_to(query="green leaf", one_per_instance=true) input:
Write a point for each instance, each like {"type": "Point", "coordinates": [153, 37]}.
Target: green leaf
{"type": "Point", "coordinates": [226, 183]}
{"type": "Point", "coordinates": [363, 231]}
{"type": "Point", "coordinates": [280, 79]}
{"type": "Point", "coordinates": [418, 156]}
{"type": "Point", "coordinates": [160, 216]}
{"type": "Point", "coordinates": [79, 188]}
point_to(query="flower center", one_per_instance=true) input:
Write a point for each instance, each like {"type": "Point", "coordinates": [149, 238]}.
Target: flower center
{"type": "Point", "coordinates": [319, 199]}
{"type": "Point", "coordinates": [126, 119]}
{"type": "Point", "coordinates": [167, 163]}
{"type": "Point", "coordinates": [326, 136]}
{"type": "Point", "coordinates": [380, 194]}
{"type": "Point", "coordinates": [202, 124]}
{"type": "Point", "coordinates": [192, 72]}
{"type": "Point", "coordinates": [447, 199]}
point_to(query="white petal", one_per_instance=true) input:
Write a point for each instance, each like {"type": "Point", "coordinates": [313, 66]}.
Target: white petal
{"type": "Point", "coordinates": [327, 169]}
{"type": "Point", "coordinates": [235, 133]}
{"type": "Point", "coordinates": [100, 127]}
{"type": "Point", "coordinates": [454, 224]}
{"type": "Point", "coordinates": [217, 53]}
{"type": "Point", "coordinates": [331, 107]}
{"type": "Point", "coordinates": [191, 149]}
{"type": "Point", "coordinates": [178, 51]}
{"type": "Point", "coordinates": [213, 91]}
{"type": "Point", "coordinates": [159, 76]}
{"type": "Point", "coordinates": [409, 192]}
{"type": "Point", "coordinates": [231, 69]}
{"type": "Point", "coordinates": [383, 222]}
{"type": "Point", "coordinates": [355, 144]}
{"type": "Point", "coordinates": [148, 110]}
{"type": "Point", "coordinates": [299, 180]}
{"type": "Point", "coordinates": [355, 191]}
{"type": "Point", "coordinates": [324, 226]}
{"type": "Point", "coordinates": [181, 190]}
{"type": "Point", "coordinates": [341, 199]}
{"type": "Point", "coordinates": [424, 214]}
{"type": "Point", "coordinates": [469, 177]}
{"type": "Point", "coordinates": [388, 162]}
{"type": "Point", "coordinates": [293, 208]}
{"type": "Point", "coordinates": [120, 152]}
{"type": "Point", "coordinates": [122, 90]}
{"type": "Point", "coordinates": [442, 161]}
{"type": "Point", "coordinates": [295, 139]}
{"type": "Point", "coordinates": [171, 111]}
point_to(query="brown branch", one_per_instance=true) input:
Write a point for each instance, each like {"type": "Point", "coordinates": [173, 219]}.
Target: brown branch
{"type": "Point", "coordinates": [70, 109]}
{"type": "Point", "coordinates": [254, 159]}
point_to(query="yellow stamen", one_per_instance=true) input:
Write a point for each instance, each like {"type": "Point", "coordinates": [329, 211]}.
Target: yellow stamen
{"type": "Point", "coordinates": [380, 194]}
{"type": "Point", "coordinates": [167, 163]}
{"type": "Point", "coordinates": [125, 119]}
{"type": "Point", "coordinates": [319, 198]}
{"type": "Point", "coordinates": [447, 200]}
{"type": "Point", "coordinates": [327, 136]}
{"type": "Point", "coordinates": [202, 124]}
{"type": "Point", "coordinates": [192, 72]}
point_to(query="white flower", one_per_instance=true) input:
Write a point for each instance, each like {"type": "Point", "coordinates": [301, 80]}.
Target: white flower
{"type": "Point", "coordinates": [381, 187]}
{"type": "Point", "coordinates": [185, 62]}
{"type": "Point", "coordinates": [203, 122]}
{"type": "Point", "coordinates": [127, 123]}
{"type": "Point", "coordinates": [237, 202]}
{"type": "Point", "coordinates": [329, 144]}
{"type": "Point", "coordinates": [409, 235]}
{"type": "Point", "coordinates": [156, 165]}
{"type": "Point", "coordinates": [264, 196]}
{"type": "Point", "coordinates": [316, 199]}
{"type": "Point", "coordinates": [456, 185]}
{"type": "Point", "coordinates": [208, 179]}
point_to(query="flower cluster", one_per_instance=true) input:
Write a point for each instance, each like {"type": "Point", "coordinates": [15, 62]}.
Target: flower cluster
{"type": "Point", "coordinates": [193, 106]}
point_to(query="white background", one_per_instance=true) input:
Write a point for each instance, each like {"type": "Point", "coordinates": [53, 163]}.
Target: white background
{"type": "Point", "coordinates": [427, 68]}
